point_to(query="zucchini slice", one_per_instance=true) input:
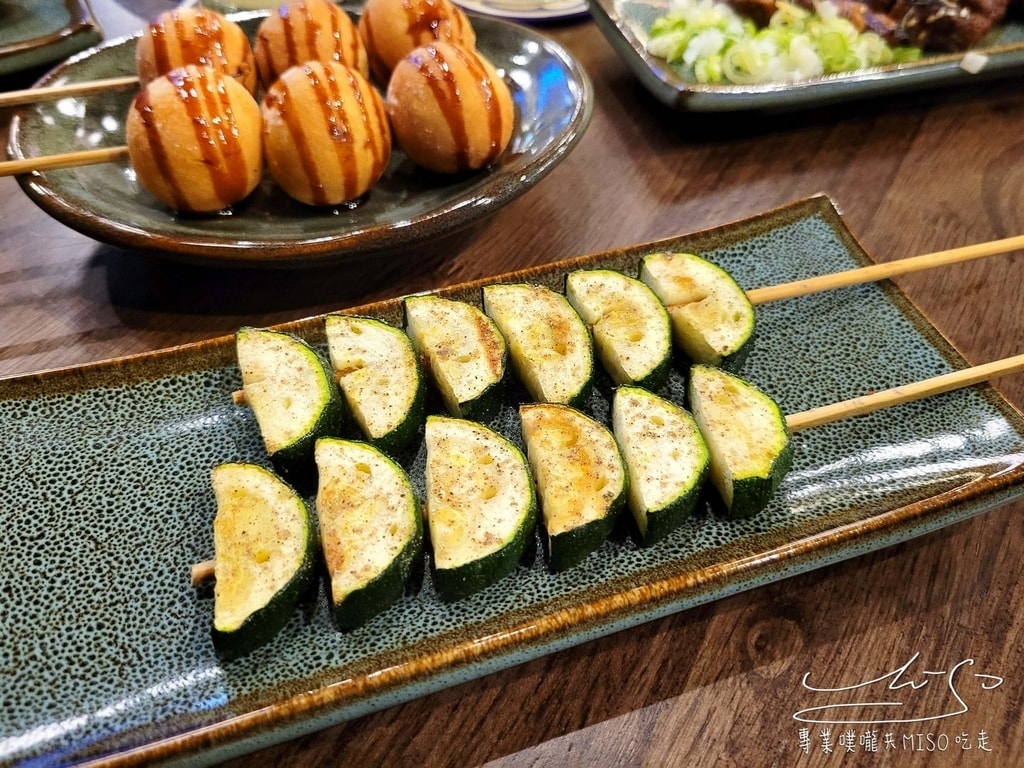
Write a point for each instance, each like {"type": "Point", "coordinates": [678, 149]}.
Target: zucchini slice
{"type": "Point", "coordinates": [289, 388]}
{"type": "Point", "coordinates": [380, 377]}
{"type": "Point", "coordinates": [666, 457]}
{"type": "Point", "coordinates": [580, 477]}
{"type": "Point", "coordinates": [631, 328]}
{"type": "Point", "coordinates": [371, 529]}
{"type": "Point", "coordinates": [264, 543]}
{"type": "Point", "coordinates": [747, 436]}
{"type": "Point", "coordinates": [463, 351]}
{"type": "Point", "coordinates": [712, 318]}
{"type": "Point", "coordinates": [480, 505]}
{"type": "Point", "coordinates": [548, 343]}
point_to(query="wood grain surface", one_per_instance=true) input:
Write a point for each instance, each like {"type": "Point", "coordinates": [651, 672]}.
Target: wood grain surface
{"type": "Point", "coordinates": [719, 684]}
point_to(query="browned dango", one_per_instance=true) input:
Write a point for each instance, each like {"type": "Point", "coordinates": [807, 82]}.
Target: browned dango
{"type": "Point", "coordinates": [194, 140]}
{"type": "Point", "coordinates": [391, 29]}
{"type": "Point", "coordinates": [450, 110]}
{"type": "Point", "coordinates": [307, 30]}
{"type": "Point", "coordinates": [195, 36]}
{"type": "Point", "coordinates": [325, 133]}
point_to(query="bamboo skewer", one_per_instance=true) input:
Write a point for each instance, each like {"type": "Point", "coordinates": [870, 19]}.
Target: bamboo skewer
{"type": "Point", "coordinates": [947, 382]}
{"type": "Point", "coordinates": [31, 95]}
{"type": "Point", "coordinates": [886, 270]}
{"type": "Point", "coordinates": [205, 571]}
{"type": "Point", "coordinates": [63, 160]}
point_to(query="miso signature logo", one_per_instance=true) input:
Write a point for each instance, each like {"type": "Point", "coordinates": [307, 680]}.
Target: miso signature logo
{"type": "Point", "coordinates": [907, 694]}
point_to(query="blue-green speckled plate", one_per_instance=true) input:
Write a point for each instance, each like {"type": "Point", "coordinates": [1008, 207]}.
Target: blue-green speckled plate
{"type": "Point", "coordinates": [106, 653]}
{"type": "Point", "coordinates": [625, 24]}
{"type": "Point", "coordinates": [553, 102]}
{"type": "Point", "coordinates": [44, 31]}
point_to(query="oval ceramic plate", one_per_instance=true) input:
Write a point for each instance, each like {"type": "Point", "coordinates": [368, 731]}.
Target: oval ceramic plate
{"type": "Point", "coordinates": [43, 31]}
{"type": "Point", "coordinates": [553, 101]}
{"type": "Point", "coordinates": [625, 24]}
{"type": "Point", "coordinates": [106, 652]}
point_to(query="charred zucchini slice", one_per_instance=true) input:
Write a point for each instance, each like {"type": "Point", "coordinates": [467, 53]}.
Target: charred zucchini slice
{"type": "Point", "coordinates": [747, 436]}
{"type": "Point", "coordinates": [371, 529]}
{"type": "Point", "coordinates": [548, 343]}
{"type": "Point", "coordinates": [380, 377]}
{"type": "Point", "coordinates": [292, 395]}
{"type": "Point", "coordinates": [463, 351]}
{"type": "Point", "coordinates": [480, 505]}
{"type": "Point", "coordinates": [712, 318]}
{"type": "Point", "coordinates": [580, 478]}
{"type": "Point", "coordinates": [629, 324]}
{"type": "Point", "coordinates": [666, 457]}
{"type": "Point", "coordinates": [264, 545]}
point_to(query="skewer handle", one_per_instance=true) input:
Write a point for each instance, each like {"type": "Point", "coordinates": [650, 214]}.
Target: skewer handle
{"type": "Point", "coordinates": [916, 391]}
{"type": "Point", "coordinates": [63, 160]}
{"type": "Point", "coordinates": [31, 95]}
{"type": "Point", "coordinates": [202, 573]}
{"type": "Point", "coordinates": [886, 270]}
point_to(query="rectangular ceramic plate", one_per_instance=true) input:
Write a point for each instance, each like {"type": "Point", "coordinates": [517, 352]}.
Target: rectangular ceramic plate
{"type": "Point", "coordinates": [43, 31]}
{"type": "Point", "coordinates": [106, 652]}
{"type": "Point", "coordinates": [625, 24]}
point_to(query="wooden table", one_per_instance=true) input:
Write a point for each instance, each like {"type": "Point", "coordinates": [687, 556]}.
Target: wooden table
{"type": "Point", "coordinates": [716, 684]}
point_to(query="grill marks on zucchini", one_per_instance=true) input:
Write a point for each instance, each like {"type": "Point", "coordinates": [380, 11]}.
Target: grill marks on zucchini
{"type": "Point", "coordinates": [580, 479]}
{"type": "Point", "coordinates": [747, 436]}
{"type": "Point", "coordinates": [712, 318]}
{"type": "Point", "coordinates": [371, 529]}
{"type": "Point", "coordinates": [548, 343]}
{"type": "Point", "coordinates": [463, 351]}
{"type": "Point", "coordinates": [630, 326]}
{"type": "Point", "coordinates": [666, 456]}
{"type": "Point", "coordinates": [264, 542]}
{"type": "Point", "coordinates": [380, 377]}
{"type": "Point", "coordinates": [480, 505]}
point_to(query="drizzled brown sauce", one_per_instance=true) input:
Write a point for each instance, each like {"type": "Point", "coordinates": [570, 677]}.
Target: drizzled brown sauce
{"type": "Point", "coordinates": [441, 78]}
{"type": "Point", "coordinates": [332, 98]}
{"type": "Point", "coordinates": [426, 21]}
{"type": "Point", "coordinates": [194, 38]}
{"type": "Point", "coordinates": [308, 50]}
{"type": "Point", "coordinates": [216, 135]}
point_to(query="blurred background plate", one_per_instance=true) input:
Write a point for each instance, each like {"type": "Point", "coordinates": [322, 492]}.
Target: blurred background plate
{"type": "Point", "coordinates": [625, 24]}
{"type": "Point", "coordinates": [553, 100]}
{"type": "Point", "coordinates": [44, 31]}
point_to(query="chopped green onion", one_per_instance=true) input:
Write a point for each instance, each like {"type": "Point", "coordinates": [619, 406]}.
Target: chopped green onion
{"type": "Point", "coordinates": [712, 43]}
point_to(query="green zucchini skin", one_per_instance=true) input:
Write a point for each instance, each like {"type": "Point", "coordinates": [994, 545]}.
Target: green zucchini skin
{"type": "Point", "coordinates": [462, 350]}
{"type": "Point", "coordinates": [355, 478]}
{"type": "Point", "coordinates": [463, 458]}
{"type": "Point", "coordinates": [548, 342]}
{"type": "Point", "coordinates": [368, 356]}
{"type": "Point", "coordinates": [580, 477]}
{"type": "Point", "coordinates": [713, 321]}
{"type": "Point", "coordinates": [268, 618]}
{"type": "Point", "coordinates": [667, 458]}
{"type": "Point", "coordinates": [629, 325]}
{"type": "Point", "coordinates": [748, 464]}
{"type": "Point", "coordinates": [261, 358]}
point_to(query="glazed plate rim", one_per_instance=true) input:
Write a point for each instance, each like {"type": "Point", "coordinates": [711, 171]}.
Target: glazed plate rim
{"type": "Point", "coordinates": [480, 643]}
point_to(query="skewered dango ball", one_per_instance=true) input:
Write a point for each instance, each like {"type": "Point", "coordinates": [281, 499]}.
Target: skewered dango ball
{"type": "Point", "coordinates": [450, 110]}
{"type": "Point", "coordinates": [391, 29]}
{"type": "Point", "coordinates": [194, 139]}
{"type": "Point", "coordinates": [195, 36]}
{"type": "Point", "coordinates": [307, 30]}
{"type": "Point", "coordinates": [325, 133]}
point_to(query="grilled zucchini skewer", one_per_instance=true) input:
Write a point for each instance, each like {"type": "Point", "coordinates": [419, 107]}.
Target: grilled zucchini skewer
{"type": "Point", "coordinates": [713, 318]}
